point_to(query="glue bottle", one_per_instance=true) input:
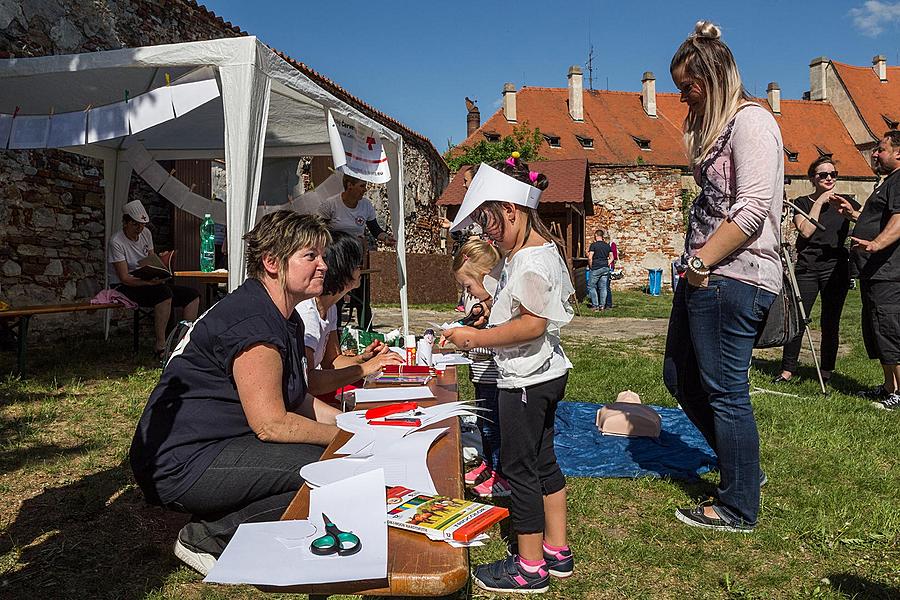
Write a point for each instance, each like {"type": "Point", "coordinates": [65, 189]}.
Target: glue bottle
{"type": "Point", "coordinates": [410, 349]}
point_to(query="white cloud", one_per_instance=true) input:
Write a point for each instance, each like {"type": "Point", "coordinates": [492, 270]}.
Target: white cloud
{"type": "Point", "coordinates": [873, 16]}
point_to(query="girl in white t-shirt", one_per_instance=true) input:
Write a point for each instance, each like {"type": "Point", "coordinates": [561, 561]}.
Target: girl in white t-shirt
{"type": "Point", "coordinates": [530, 306]}
{"type": "Point", "coordinates": [327, 368]}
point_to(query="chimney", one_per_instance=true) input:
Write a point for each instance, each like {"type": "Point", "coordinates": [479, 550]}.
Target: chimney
{"type": "Point", "coordinates": [817, 78]}
{"type": "Point", "coordinates": [473, 118]}
{"type": "Point", "coordinates": [879, 65]}
{"type": "Point", "coordinates": [773, 93]}
{"type": "Point", "coordinates": [648, 93]}
{"type": "Point", "coordinates": [509, 102]}
{"type": "Point", "coordinates": [576, 93]}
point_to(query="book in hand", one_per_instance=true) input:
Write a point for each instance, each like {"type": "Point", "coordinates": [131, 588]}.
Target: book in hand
{"type": "Point", "coordinates": [439, 517]}
{"type": "Point", "coordinates": [154, 267]}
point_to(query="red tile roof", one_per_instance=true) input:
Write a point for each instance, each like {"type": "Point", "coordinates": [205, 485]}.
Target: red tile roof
{"type": "Point", "coordinates": [568, 182]}
{"type": "Point", "coordinates": [614, 119]}
{"type": "Point", "coordinates": [873, 99]}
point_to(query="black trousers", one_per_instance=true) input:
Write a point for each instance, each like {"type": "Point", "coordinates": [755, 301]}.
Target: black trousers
{"type": "Point", "coordinates": [250, 481]}
{"type": "Point", "coordinates": [526, 450]}
{"type": "Point", "coordinates": [833, 285]}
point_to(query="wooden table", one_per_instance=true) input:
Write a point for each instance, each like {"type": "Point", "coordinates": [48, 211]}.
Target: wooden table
{"type": "Point", "coordinates": [212, 279]}
{"type": "Point", "coordinates": [21, 317]}
{"type": "Point", "coordinates": [417, 566]}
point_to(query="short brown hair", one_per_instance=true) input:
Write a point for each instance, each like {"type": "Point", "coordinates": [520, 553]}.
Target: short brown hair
{"type": "Point", "coordinates": [822, 160]}
{"type": "Point", "coordinates": [280, 234]}
{"type": "Point", "coordinates": [349, 180]}
{"type": "Point", "coordinates": [600, 233]}
{"type": "Point", "coordinates": [893, 136]}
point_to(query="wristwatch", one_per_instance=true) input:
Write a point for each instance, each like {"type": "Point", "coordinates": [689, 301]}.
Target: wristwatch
{"type": "Point", "coordinates": [696, 266]}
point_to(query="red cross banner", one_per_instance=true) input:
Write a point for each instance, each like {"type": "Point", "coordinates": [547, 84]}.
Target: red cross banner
{"type": "Point", "coordinates": [357, 151]}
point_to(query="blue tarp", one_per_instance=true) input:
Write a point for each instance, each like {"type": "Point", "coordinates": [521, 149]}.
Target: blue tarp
{"type": "Point", "coordinates": [582, 451]}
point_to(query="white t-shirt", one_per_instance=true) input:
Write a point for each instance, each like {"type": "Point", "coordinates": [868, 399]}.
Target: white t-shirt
{"type": "Point", "coordinates": [122, 248]}
{"type": "Point", "coordinates": [537, 279]}
{"type": "Point", "coordinates": [316, 329]}
{"type": "Point", "coordinates": [349, 220]}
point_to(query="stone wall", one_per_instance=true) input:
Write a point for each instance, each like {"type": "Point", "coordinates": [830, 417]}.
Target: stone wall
{"type": "Point", "coordinates": [52, 203]}
{"type": "Point", "coordinates": [641, 208]}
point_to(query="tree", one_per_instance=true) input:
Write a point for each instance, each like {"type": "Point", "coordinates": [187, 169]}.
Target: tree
{"type": "Point", "coordinates": [525, 140]}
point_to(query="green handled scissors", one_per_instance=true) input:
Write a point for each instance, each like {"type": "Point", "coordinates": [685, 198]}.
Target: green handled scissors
{"type": "Point", "coordinates": [344, 543]}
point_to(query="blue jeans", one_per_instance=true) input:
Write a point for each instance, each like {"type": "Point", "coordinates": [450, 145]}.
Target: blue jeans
{"type": "Point", "coordinates": [708, 351]}
{"type": "Point", "coordinates": [489, 423]}
{"type": "Point", "coordinates": [608, 303]}
{"type": "Point", "coordinates": [598, 286]}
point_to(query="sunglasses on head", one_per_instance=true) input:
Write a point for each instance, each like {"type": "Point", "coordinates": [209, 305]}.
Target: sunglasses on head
{"type": "Point", "coordinates": [827, 174]}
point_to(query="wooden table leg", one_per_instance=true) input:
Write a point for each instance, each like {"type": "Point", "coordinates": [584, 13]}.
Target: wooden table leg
{"type": "Point", "coordinates": [23, 340]}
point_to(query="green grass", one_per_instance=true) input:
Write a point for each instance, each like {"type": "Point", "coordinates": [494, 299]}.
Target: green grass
{"type": "Point", "coordinates": [74, 525]}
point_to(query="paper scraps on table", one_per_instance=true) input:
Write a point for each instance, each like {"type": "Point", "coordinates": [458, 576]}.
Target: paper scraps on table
{"type": "Point", "coordinates": [393, 394]}
{"type": "Point", "coordinates": [277, 553]}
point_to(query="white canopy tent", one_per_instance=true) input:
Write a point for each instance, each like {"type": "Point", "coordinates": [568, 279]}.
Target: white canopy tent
{"type": "Point", "coordinates": [267, 108]}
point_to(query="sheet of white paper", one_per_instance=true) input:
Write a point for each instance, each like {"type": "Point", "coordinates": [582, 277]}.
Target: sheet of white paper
{"type": "Point", "coordinates": [5, 128]}
{"type": "Point", "coordinates": [400, 351]}
{"type": "Point", "coordinates": [138, 157]}
{"type": "Point", "coordinates": [257, 555]}
{"type": "Point", "coordinates": [174, 191]}
{"type": "Point", "coordinates": [107, 122]}
{"type": "Point", "coordinates": [445, 326]}
{"type": "Point", "coordinates": [68, 129]}
{"type": "Point", "coordinates": [403, 463]}
{"type": "Point", "coordinates": [450, 359]}
{"type": "Point", "coordinates": [393, 394]}
{"type": "Point", "coordinates": [29, 132]}
{"type": "Point", "coordinates": [188, 96]}
{"type": "Point", "coordinates": [155, 176]}
{"type": "Point", "coordinates": [150, 109]}
{"type": "Point", "coordinates": [479, 540]}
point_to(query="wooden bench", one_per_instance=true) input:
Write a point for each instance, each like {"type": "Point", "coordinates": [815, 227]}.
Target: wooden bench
{"type": "Point", "coordinates": [417, 566]}
{"type": "Point", "coordinates": [21, 317]}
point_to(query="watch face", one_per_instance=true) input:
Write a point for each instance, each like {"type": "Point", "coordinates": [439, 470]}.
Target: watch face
{"type": "Point", "coordinates": [696, 262]}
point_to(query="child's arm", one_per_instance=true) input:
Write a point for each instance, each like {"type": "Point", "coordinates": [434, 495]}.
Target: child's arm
{"type": "Point", "coordinates": [522, 328]}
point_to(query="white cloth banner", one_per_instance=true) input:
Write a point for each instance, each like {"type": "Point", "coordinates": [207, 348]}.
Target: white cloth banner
{"type": "Point", "coordinates": [357, 151]}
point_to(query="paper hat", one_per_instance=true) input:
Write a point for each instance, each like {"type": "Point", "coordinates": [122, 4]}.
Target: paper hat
{"type": "Point", "coordinates": [136, 211]}
{"type": "Point", "coordinates": [490, 184]}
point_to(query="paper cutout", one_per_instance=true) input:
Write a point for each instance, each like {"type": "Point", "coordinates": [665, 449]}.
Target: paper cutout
{"type": "Point", "coordinates": [150, 109]}
{"type": "Point", "coordinates": [68, 129]}
{"type": "Point", "coordinates": [29, 131]}
{"type": "Point", "coordinates": [357, 151]}
{"type": "Point", "coordinates": [188, 96]}
{"type": "Point", "coordinates": [107, 122]}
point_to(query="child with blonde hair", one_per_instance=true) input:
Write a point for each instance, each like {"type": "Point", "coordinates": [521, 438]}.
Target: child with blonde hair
{"type": "Point", "coordinates": [477, 267]}
{"type": "Point", "coordinates": [529, 308]}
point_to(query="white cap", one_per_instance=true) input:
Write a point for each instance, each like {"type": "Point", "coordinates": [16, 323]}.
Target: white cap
{"type": "Point", "coordinates": [489, 184]}
{"type": "Point", "coordinates": [136, 211]}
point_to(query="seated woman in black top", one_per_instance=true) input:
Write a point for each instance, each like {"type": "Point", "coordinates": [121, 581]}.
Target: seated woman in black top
{"type": "Point", "coordinates": [230, 424]}
{"type": "Point", "coordinates": [822, 265]}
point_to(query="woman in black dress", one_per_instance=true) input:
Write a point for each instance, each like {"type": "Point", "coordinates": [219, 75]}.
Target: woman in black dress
{"type": "Point", "coordinates": [822, 266]}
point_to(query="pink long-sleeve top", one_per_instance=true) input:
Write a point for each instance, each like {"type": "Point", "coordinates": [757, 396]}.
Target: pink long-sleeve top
{"type": "Point", "coordinates": [742, 180]}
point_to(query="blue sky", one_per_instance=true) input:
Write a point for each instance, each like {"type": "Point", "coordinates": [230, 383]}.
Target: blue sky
{"type": "Point", "coordinates": [416, 61]}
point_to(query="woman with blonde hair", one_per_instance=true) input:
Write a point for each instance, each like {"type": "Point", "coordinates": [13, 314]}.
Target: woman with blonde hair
{"type": "Point", "coordinates": [230, 423]}
{"type": "Point", "coordinates": [732, 266]}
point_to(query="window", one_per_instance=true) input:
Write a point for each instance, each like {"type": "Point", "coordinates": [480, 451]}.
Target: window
{"type": "Point", "coordinates": [585, 142]}
{"type": "Point", "coordinates": [492, 136]}
{"type": "Point", "coordinates": [791, 155]}
{"type": "Point", "coordinates": [891, 123]}
{"type": "Point", "coordinates": [823, 151]}
{"type": "Point", "coordinates": [552, 140]}
{"type": "Point", "coordinates": [643, 143]}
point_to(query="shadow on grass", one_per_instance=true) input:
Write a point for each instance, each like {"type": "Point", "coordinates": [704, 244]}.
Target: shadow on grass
{"type": "Point", "coordinates": [15, 459]}
{"type": "Point", "coordinates": [859, 588]}
{"type": "Point", "coordinates": [94, 538]}
{"type": "Point", "coordinates": [840, 382]}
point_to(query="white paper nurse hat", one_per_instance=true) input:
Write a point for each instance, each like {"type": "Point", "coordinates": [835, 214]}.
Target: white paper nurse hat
{"type": "Point", "coordinates": [490, 184]}
{"type": "Point", "coordinates": [136, 211]}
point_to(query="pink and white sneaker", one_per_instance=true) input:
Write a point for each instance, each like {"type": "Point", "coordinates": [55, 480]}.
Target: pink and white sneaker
{"type": "Point", "coordinates": [494, 486]}
{"type": "Point", "coordinates": [473, 475]}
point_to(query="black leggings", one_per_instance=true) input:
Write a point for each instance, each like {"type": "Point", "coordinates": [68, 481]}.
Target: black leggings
{"type": "Point", "coordinates": [526, 450]}
{"type": "Point", "coordinates": [833, 284]}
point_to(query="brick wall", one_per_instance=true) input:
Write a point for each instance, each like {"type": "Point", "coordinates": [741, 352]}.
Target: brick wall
{"type": "Point", "coordinates": [641, 208]}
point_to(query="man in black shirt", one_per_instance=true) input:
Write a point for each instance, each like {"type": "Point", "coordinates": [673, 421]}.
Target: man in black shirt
{"type": "Point", "coordinates": [876, 254]}
{"type": "Point", "coordinates": [598, 257]}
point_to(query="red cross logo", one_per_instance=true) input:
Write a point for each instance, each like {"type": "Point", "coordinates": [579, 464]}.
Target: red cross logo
{"type": "Point", "coordinates": [371, 142]}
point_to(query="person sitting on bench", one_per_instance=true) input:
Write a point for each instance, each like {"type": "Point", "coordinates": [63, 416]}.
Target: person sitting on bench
{"type": "Point", "coordinates": [131, 245]}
